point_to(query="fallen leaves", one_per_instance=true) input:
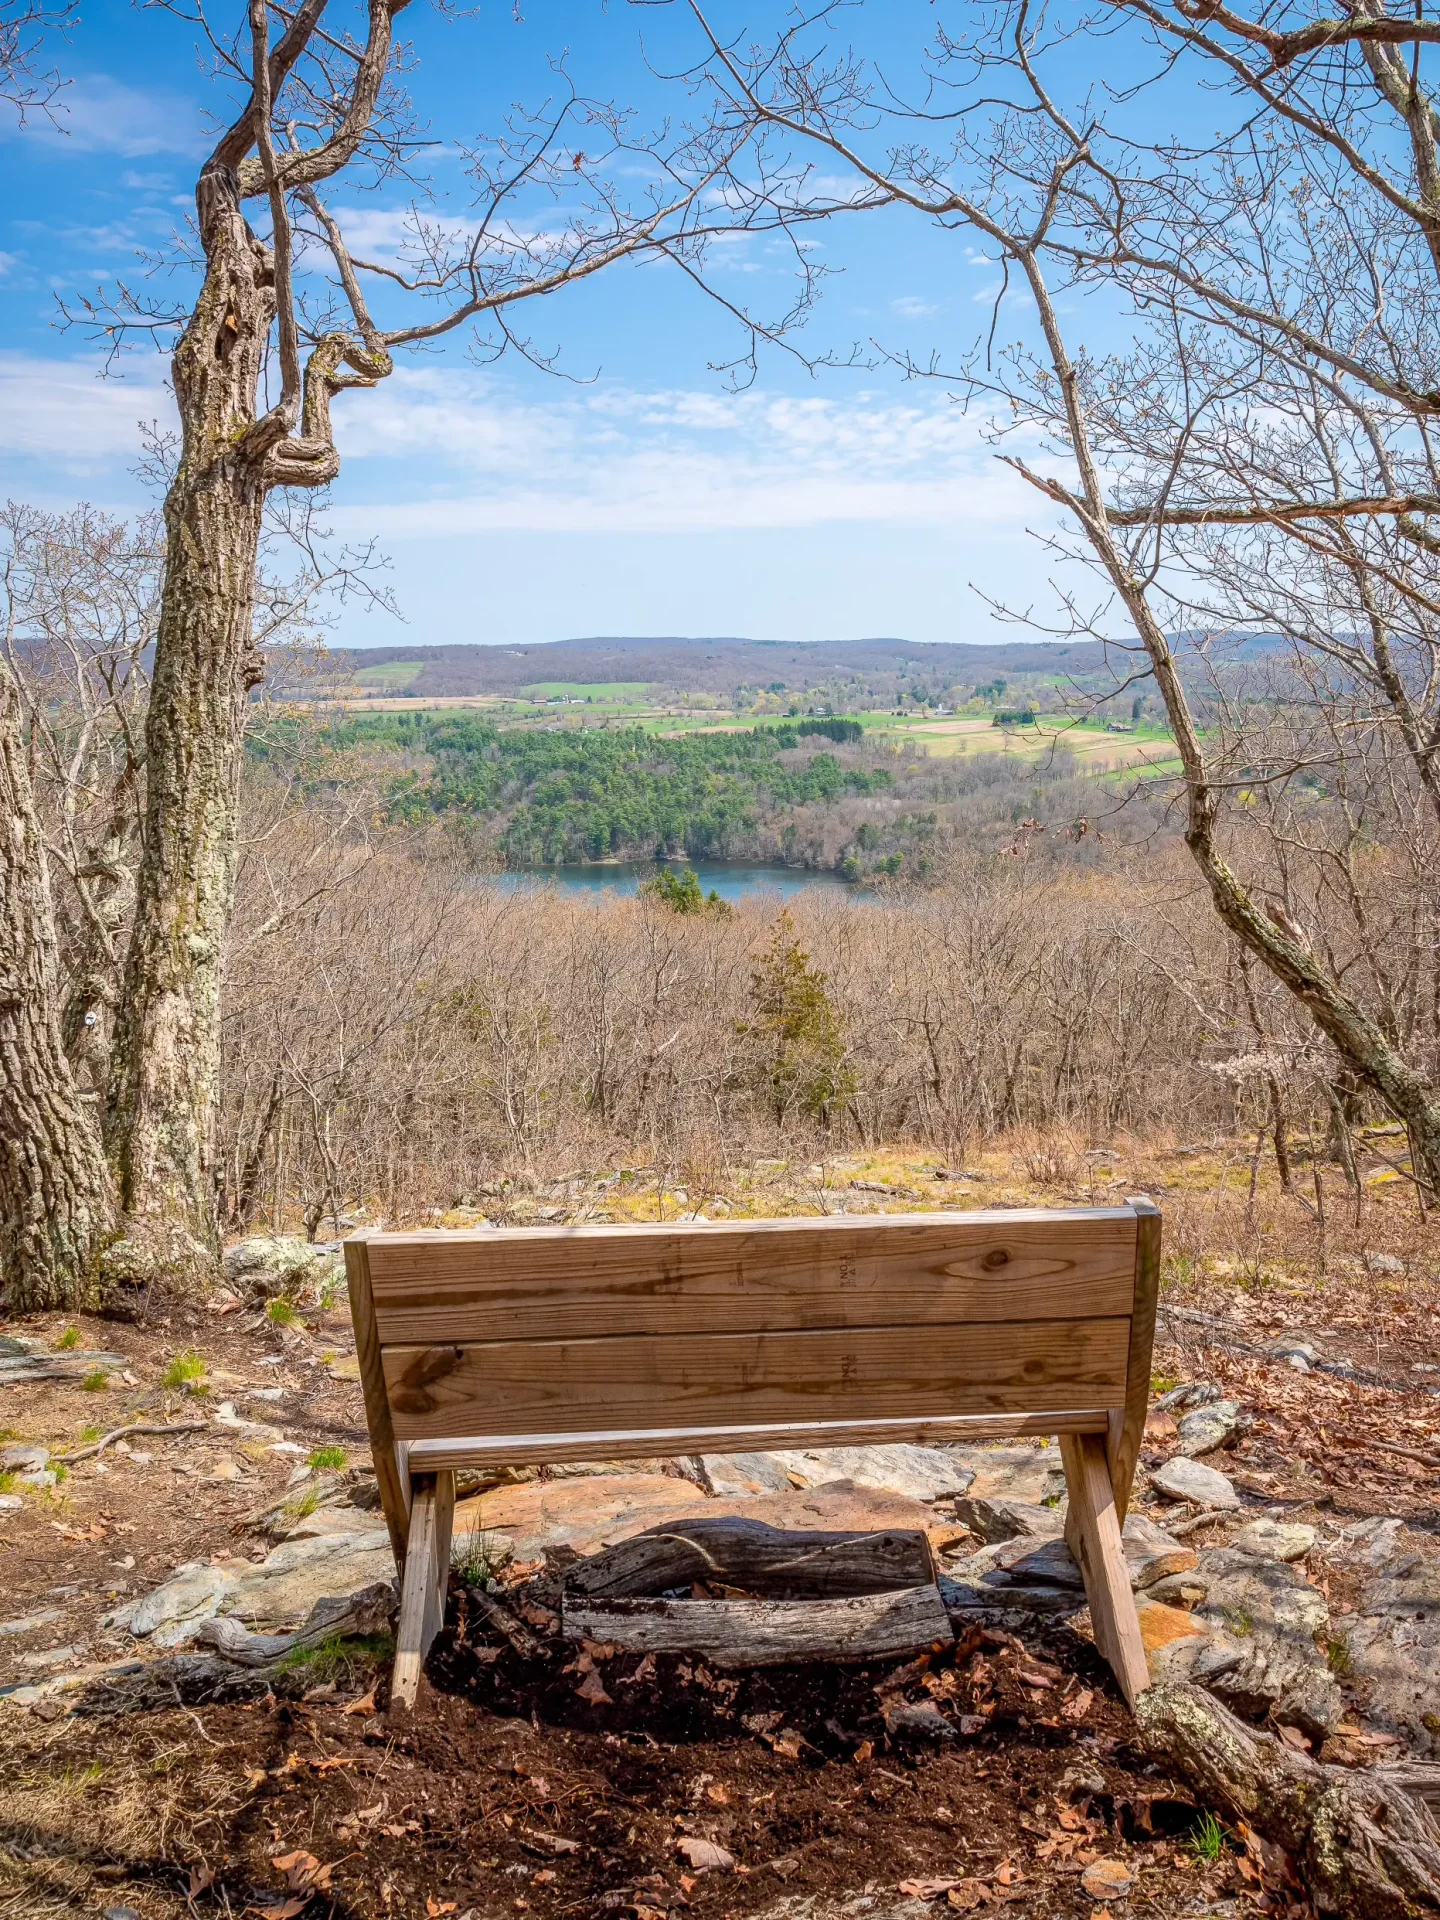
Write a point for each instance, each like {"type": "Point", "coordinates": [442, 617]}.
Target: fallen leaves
{"type": "Point", "coordinates": [556, 1843]}
{"type": "Point", "coordinates": [705, 1856]}
{"type": "Point", "coordinates": [362, 1707]}
{"type": "Point", "coordinates": [1107, 1879]}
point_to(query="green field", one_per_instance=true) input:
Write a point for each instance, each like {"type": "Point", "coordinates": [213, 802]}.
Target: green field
{"type": "Point", "coordinates": [610, 693]}
{"type": "Point", "coordinates": [393, 677]}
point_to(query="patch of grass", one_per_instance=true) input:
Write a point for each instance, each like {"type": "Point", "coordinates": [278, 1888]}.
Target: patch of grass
{"type": "Point", "coordinates": [303, 1505]}
{"type": "Point", "coordinates": [328, 1457]}
{"type": "Point", "coordinates": [1162, 1383]}
{"type": "Point", "coordinates": [68, 1340]}
{"type": "Point", "coordinates": [281, 1312]}
{"type": "Point", "coordinates": [478, 1557]}
{"type": "Point", "coordinates": [9, 1480]}
{"type": "Point", "coordinates": [1337, 1655]}
{"type": "Point", "coordinates": [186, 1370]}
{"type": "Point", "coordinates": [339, 1659]}
{"type": "Point", "coordinates": [60, 1471]}
{"type": "Point", "coordinates": [87, 1434]}
{"type": "Point", "coordinates": [1207, 1839]}
{"type": "Point", "coordinates": [96, 1381]}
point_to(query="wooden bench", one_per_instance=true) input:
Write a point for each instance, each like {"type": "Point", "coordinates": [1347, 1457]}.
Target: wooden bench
{"type": "Point", "coordinates": [527, 1345]}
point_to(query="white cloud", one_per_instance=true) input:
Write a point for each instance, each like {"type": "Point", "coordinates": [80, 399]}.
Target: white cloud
{"type": "Point", "coordinates": [621, 461]}
{"type": "Point", "coordinates": [61, 411]}
{"type": "Point", "coordinates": [96, 114]}
{"type": "Point", "coordinates": [909, 308]}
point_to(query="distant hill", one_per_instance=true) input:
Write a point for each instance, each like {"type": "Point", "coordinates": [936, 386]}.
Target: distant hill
{"type": "Point", "coordinates": [723, 665]}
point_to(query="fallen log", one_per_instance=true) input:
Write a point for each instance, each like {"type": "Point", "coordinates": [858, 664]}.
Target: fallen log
{"type": "Point", "coordinates": [1367, 1842]}
{"type": "Point", "coordinates": [774, 1562]}
{"type": "Point", "coordinates": [767, 1633]}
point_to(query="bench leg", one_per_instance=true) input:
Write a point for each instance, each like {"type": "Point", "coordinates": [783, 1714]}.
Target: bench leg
{"type": "Point", "coordinates": [422, 1591]}
{"type": "Point", "coordinates": [1092, 1531]}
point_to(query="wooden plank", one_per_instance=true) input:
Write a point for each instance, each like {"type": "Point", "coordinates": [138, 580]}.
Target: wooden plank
{"type": "Point", "coordinates": [526, 1387]}
{"type": "Point", "coordinates": [542, 1449]}
{"type": "Point", "coordinates": [1092, 1531]}
{"type": "Point", "coordinates": [393, 1495]}
{"type": "Point", "coordinates": [771, 1562]}
{"type": "Point", "coordinates": [422, 1592]}
{"type": "Point", "coordinates": [768, 1633]}
{"type": "Point", "coordinates": [1127, 1423]}
{"type": "Point", "coordinates": [754, 1276]}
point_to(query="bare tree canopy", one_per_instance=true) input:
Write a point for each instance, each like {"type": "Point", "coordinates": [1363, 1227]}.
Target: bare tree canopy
{"type": "Point", "coordinates": [1261, 460]}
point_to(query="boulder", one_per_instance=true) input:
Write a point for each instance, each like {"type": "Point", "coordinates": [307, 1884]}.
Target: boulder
{"type": "Point", "coordinates": [21, 1457]}
{"type": "Point", "coordinates": [1204, 1429]}
{"type": "Point", "coordinates": [289, 1582]}
{"type": "Point", "coordinates": [192, 1593]}
{"type": "Point", "coordinates": [1150, 1555]}
{"type": "Point", "coordinates": [1269, 1654]}
{"type": "Point", "coordinates": [1376, 1541]}
{"type": "Point", "coordinates": [1392, 1645]}
{"type": "Point", "coordinates": [1186, 1479]}
{"type": "Point", "coordinates": [271, 1265]}
{"type": "Point", "coordinates": [997, 1521]}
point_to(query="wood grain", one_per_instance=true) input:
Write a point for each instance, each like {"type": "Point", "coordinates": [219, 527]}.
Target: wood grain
{"type": "Point", "coordinates": [1127, 1423]}
{"type": "Point", "coordinates": [422, 1591]}
{"type": "Point", "coordinates": [1092, 1532]}
{"type": "Point", "coordinates": [771, 1562]}
{"type": "Point", "coordinates": [756, 1276]}
{"type": "Point", "coordinates": [699, 1380]}
{"type": "Point", "coordinates": [768, 1633]}
{"type": "Point", "coordinates": [542, 1449]}
{"type": "Point", "coordinates": [393, 1493]}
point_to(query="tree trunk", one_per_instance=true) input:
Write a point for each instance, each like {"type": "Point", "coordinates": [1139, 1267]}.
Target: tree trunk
{"type": "Point", "coordinates": [1368, 1843]}
{"type": "Point", "coordinates": [164, 1105]}
{"type": "Point", "coordinates": [56, 1204]}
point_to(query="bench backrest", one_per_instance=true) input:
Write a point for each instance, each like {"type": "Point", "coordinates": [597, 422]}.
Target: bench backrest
{"type": "Point", "coordinates": [574, 1342]}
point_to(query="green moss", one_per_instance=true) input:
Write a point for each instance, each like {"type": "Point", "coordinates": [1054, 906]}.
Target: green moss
{"type": "Point", "coordinates": [339, 1658]}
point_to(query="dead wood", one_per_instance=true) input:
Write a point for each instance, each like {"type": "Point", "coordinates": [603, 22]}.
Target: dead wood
{"type": "Point", "coordinates": [773, 1562]}
{"type": "Point", "coordinates": [1367, 1842]}
{"type": "Point", "coordinates": [767, 1633]}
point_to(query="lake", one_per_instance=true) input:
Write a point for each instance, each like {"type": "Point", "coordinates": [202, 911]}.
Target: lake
{"type": "Point", "coordinates": [731, 879]}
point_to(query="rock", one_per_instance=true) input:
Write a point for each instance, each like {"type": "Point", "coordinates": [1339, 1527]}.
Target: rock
{"type": "Point", "coordinates": [120, 1913]}
{"type": "Point", "coordinates": [1299, 1354]}
{"type": "Point", "coordinates": [225, 1468]}
{"type": "Point", "coordinates": [10, 1503]}
{"type": "Point", "coordinates": [29, 1623]}
{"type": "Point", "coordinates": [1270, 1625]}
{"type": "Point", "coordinates": [996, 1521]}
{"type": "Point", "coordinates": [1178, 1590]}
{"type": "Point", "coordinates": [1171, 1637]}
{"type": "Point", "coordinates": [20, 1457]}
{"type": "Point", "coordinates": [1392, 1645]}
{"type": "Point", "coordinates": [297, 1574]}
{"type": "Point", "coordinates": [273, 1265]}
{"type": "Point", "coordinates": [922, 1473]}
{"type": "Point", "coordinates": [1186, 1479]}
{"type": "Point", "coordinates": [1275, 1540]}
{"type": "Point", "coordinates": [1376, 1540]}
{"type": "Point", "coordinates": [1194, 1393]}
{"type": "Point", "coordinates": [922, 1721]}
{"type": "Point", "coordinates": [13, 1345]}
{"type": "Point", "coordinates": [1382, 1263]}
{"type": "Point", "coordinates": [192, 1592]}
{"type": "Point", "coordinates": [41, 1477]}
{"type": "Point", "coordinates": [1107, 1880]}
{"type": "Point", "coordinates": [1150, 1554]}
{"type": "Point", "coordinates": [21, 1369]}
{"type": "Point", "coordinates": [1214, 1425]}
{"type": "Point", "coordinates": [1031, 1474]}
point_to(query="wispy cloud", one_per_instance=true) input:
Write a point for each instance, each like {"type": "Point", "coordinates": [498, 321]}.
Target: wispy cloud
{"type": "Point", "coordinates": [464, 456]}
{"type": "Point", "coordinates": [98, 114]}
{"type": "Point", "coordinates": [61, 412]}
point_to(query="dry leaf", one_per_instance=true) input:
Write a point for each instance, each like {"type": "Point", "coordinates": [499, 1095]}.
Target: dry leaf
{"type": "Point", "coordinates": [1079, 1706]}
{"type": "Point", "coordinates": [1107, 1879]}
{"type": "Point", "coordinates": [865, 1751]}
{"type": "Point", "coordinates": [705, 1856]}
{"type": "Point", "coordinates": [436, 1907]}
{"type": "Point", "coordinates": [364, 1705]}
{"type": "Point", "coordinates": [966, 1895]}
{"type": "Point", "coordinates": [543, 1877]}
{"type": "Point", "coordinates": [254, 1777]}
{"type": "Point", "coordinates": [718, 1792]}
{"type": "Point", "coordinates": [284, 1909]}
{"type": "Point", "coordinates": [592, 1688]}
{"type": "Point", "coordinates": [926, 1889]}
{"type": "Point", "coordinates": [787, 1743]}
{"type": "Point", "coordinates": [200, 1879]}
{"type": "Point", "coordinates": [1008, 1875]}
{"type": "Point", "coordinates": [601, 1649]}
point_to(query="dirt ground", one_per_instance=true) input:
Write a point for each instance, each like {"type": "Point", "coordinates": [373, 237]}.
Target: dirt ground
{"type": "Point", "coordinates": [557, 1783]}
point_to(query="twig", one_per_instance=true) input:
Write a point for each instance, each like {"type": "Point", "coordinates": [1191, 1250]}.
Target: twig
{"type": "Point", "coordinates": [69, 1459]}
{"type": "Point", "coordinates": [1197, 1520]}
{"type": "Point", "coordinates": [1409, 1453]}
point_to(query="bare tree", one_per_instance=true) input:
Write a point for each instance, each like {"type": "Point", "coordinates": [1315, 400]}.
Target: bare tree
{"type": "Point", "coordinates": [26, 86]}
{"type": "Point", "coordinates": [281, 325]}
{"type": "Point", "coordinates": [1282, 283]}
{"type": "Point", "coordinates": [56, 1205]}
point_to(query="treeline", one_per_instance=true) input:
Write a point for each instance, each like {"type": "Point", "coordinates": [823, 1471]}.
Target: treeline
{"type": "Point", "coordinates": [591, 794]}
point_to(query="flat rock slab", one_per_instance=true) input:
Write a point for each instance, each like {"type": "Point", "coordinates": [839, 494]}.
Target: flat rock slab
{"type": "Point", "coordinates": [1275, 1540]}
{"type": "Point", "coordinates": [1394, 1647]}
{"type": "Point", "coordinates": [1205, 1428]}
{"type": "Point", "coordinates": [1032, 1474]}
{"type": "Point", "coordinates": [998, 1520]}
{"type": "Point", "coordinates": [591, 1514]}
{"type": "Point", "coordinates": [1185, 1479]}
{"type": "Point", "coordinates": [921, 1473]}
{"type": "Point", "coordinates": [1150, 1554]}
{"type": "Point", "coordinates": [280, 1591]}
{"type": "Point", "coordinates": [1271, 1626]}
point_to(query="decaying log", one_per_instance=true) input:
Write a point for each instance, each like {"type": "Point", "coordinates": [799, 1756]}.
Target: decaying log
{"type": "Point", "coordinates": [774, 1562]}
{"type": "Point", "coordinates": [767, 1633]}
{"type": "Point", "coordinates": [1367, 1842]}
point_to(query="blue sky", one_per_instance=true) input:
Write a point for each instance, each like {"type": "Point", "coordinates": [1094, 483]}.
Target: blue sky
{"type": "Point", "coordinates": [640, 497]}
